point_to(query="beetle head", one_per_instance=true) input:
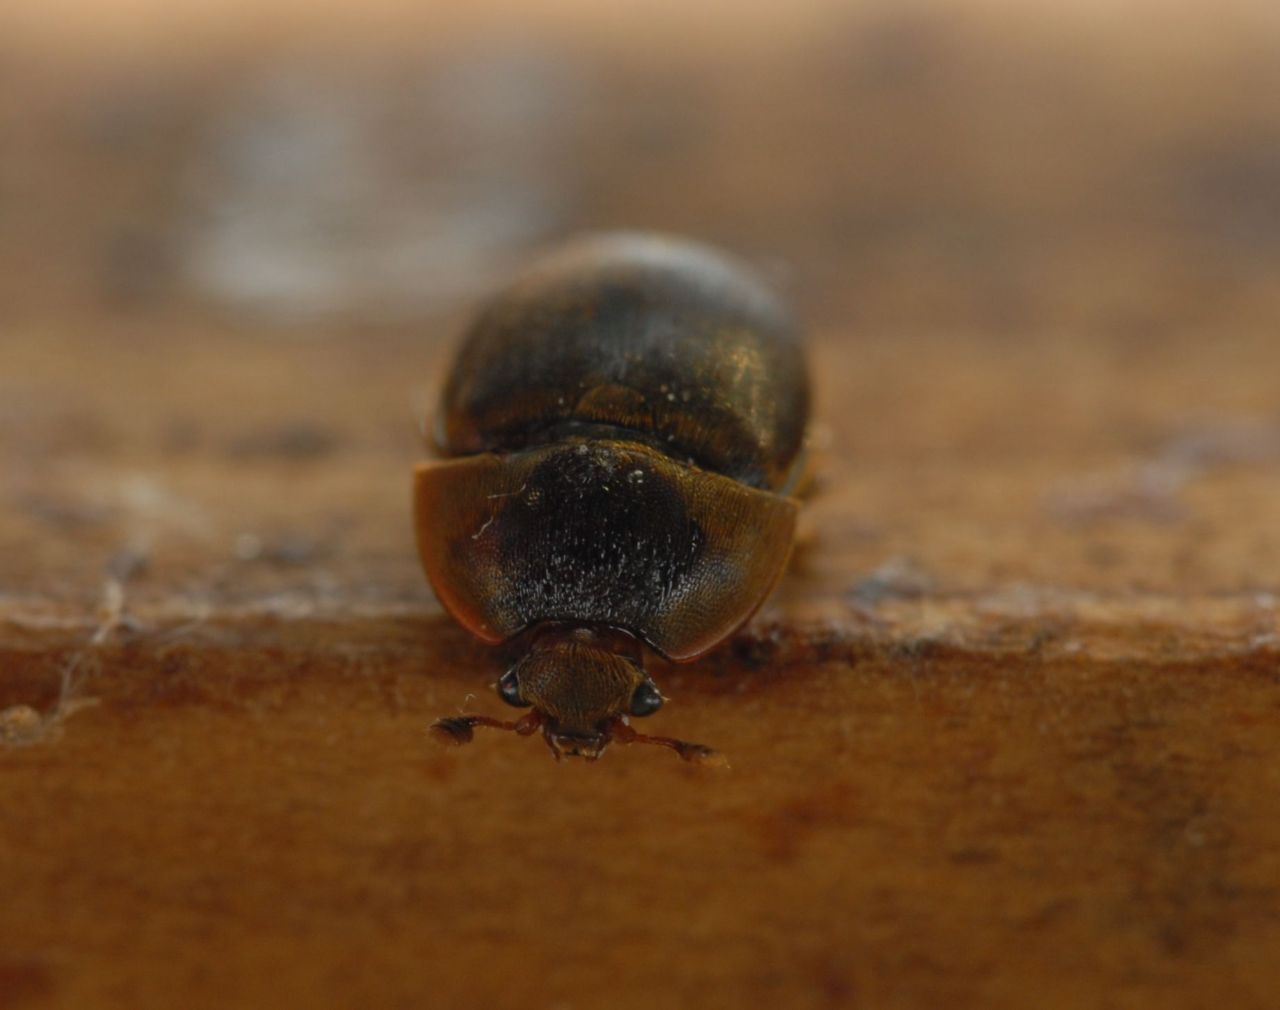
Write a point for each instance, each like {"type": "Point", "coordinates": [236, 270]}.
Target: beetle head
{"type": "Point", "coordinates": [579, 689]}
{"type": "Point", "coordinates": [582, 687]}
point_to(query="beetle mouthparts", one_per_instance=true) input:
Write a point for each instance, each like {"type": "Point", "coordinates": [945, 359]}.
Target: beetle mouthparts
{"type": "Point", "coordinates": [572, 745]}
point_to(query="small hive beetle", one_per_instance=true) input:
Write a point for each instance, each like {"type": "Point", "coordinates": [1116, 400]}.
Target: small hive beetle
{"type": "Point", "coordinates": [621, 431]}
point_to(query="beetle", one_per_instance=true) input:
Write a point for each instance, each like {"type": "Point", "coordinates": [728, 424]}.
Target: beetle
{"type": "Point", "coordinates": [622, 432]}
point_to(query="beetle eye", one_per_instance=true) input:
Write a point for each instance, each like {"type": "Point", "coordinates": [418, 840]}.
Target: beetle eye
{"type": "Point", "coordinates": [646, 700]}
{"type": "Point", "coordinates": [509, 690]}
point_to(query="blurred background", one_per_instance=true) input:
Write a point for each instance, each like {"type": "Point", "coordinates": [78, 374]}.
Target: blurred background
{"type": "Point", "coordinates": [998, 740]}
{"type": "Point", "coordinates": [1022, 167]}
{"type": "Point", "coordinates": [242, 232]}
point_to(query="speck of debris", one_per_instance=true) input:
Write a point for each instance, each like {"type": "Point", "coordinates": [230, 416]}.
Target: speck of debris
{"type": "Point", "coordinates": [20, 724]}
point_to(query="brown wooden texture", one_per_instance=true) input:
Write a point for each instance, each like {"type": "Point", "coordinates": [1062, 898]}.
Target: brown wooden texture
{"type": "Point", "coordinates": [1006, 736]}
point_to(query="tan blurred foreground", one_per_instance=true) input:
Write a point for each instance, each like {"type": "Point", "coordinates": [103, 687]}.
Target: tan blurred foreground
{"type": "Point", "coordinates": [1006, 737]}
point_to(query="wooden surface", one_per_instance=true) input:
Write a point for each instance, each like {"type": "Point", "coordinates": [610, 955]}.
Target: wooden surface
{"type": "Point", "coordinates": [1005, 737]}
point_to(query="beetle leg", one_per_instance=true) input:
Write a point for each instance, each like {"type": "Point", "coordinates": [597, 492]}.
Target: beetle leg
{"type": "Point", "coordinates": [461, 729]}
{"type": "Point", "coordinates": [696, 752]}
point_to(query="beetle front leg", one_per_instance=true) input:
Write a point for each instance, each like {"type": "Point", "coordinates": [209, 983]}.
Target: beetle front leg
{"type": "Point", "coordinates": [457, 730]}
{"type": "Point", "coordinates": [695, 752]}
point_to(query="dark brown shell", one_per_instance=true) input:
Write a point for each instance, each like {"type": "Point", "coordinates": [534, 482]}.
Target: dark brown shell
{"type": "Point", "coordinates": [640, 337]}
{"type": "Point", "coordinates": [598, 532]}
{"type": "Point", "coordinates": [626, 419]}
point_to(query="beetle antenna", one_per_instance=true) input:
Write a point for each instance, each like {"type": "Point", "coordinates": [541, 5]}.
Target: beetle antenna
{"type": "Point", "coordinates": [695, 752]}
{"type": "Point", "coordinates": [460, 729]}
